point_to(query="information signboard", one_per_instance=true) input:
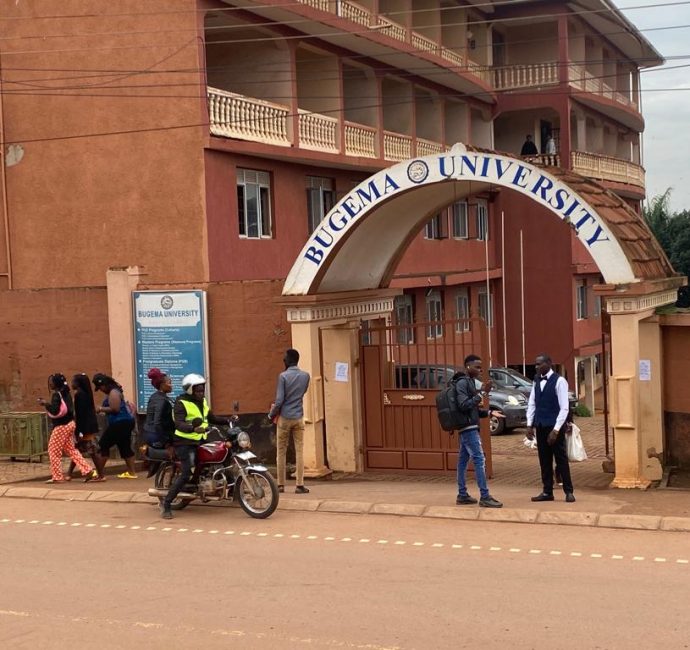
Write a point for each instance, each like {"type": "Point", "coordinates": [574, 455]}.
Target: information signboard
{"type": "Point", "coordinates": [170, 334]}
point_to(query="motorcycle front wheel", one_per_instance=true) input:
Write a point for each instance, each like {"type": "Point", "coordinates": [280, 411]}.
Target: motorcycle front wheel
{"type": "Point", "coordinates": [165, 476]}
{"type": "Point", "coordinates": [258, 494]}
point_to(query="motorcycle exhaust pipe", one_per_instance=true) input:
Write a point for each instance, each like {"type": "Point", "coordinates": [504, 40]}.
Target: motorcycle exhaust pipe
{"type": "Point", "coordinates": [153, 492]}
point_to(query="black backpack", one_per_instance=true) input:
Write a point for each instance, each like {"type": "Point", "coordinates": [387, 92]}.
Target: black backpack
{"type": "Point", "coordinates": [449, 416]}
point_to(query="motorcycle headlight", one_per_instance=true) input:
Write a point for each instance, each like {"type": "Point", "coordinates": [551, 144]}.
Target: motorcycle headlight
{"type": "Point", "coordinates": [512, 400]}
{"type": "Point", "coordinates": [243, 440]}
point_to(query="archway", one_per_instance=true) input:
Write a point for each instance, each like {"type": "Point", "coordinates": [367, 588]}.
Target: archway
{"type": "Point", "coordinates": [343, 272]}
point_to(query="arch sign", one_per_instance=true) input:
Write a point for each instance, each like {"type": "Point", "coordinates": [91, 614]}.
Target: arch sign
{"type": "Point", "coordinates": [359, 242]}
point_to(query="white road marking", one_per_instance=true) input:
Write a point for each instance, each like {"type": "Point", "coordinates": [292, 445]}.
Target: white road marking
{"type": "Point", "coordinates": [535, 551]}
{"type": "Point", "coordinates": [576, 554]}
{"type": "Point", "coordinates": [555, 553]}
{"type": "Point", "coordinates": [88, 525]}
{"type": "Point", "coordinates": [133, 527]}
{"type": "Point", "coordinates": [418, 544]}
{"type": "Point", "coordinates": [312, 537]}
{"type": "Point", "coordinates": [456, 546]}
{"type": "Point", "coordinates": [682, 561]}
{"type": "Point", "coordinates": [400, 542]}
{"type": "Point", "coordinates": [660, 559]}
{"type": "Point", "coordinates": [595, 555]}
{"type": "Point", "coordinates": [212, 532]}
{"type": "Point", "coordinates": [616, 557]}
{"type": "Point", "coordinates": [514, 550]}
{"type": "Point", "coordinates": [198, 530]}
{"type": "Point", "coordinates": [638, 558]}
{"type": "Point", "coordinates": [364, 540]}
{"type": "Point", "coordinates": [437, 545]}
{"type": "Point", "coordinates": [382, 541]}
{"type": "Point", "coordinates": [346, 539]}
{"type": "Point", "coordinates": [494, 548]}
{"type": "Point", "coordinates": [329, 539]}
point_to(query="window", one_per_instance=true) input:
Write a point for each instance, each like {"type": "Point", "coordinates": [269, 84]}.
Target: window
{"type": "Point", "coordinates": [434, 227]}
{"type": "Point", "coordinates": [482, 220]}
{"type": "Point", "coordinates": [254, 203]}
{"type": "Point", "coordinates": [459, 212]}
{"type": "Point", "coordinates": [486, 307]}
{"type": "Point", "coordinates": [462, 310]}
{"type": "Point", "coordinates": [404, 315]}
{"type": "Point", "coordinates": [581, 300]}
{"type": "Point", "coordinates": [434, 311]}
{"type": "Point", "coordinates": [597, 307]}
{"type": "Point", "coordinates": [320, 199]}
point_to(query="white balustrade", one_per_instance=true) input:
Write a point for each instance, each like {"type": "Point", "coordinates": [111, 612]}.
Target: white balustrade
{"type": "Point", "coordinates": [318, 132]}
{"type": "Point", "coordinates": [323, 5]}
{"type": "Point", "coordinates": [525, 76]}
{"type": "Point", "coordinates": [360, 140]}
{"type": "Point", "coordinates": [608, 168]}
{"type": "Point", "coordinates": [389, 28]}
{"type": "Point", "coordinates": [396, 146]}
{"type": "Point", "coordinates": [354, 12]}
{"type": "Point", "coordinates": [582, 79]}
{"type": "Point", "coordinates": [428, 147]}
{"type": "Point", "coordinates": [423, 43]}
{"type": "Point", "coordinates": [451, 56]}
{"type": "Point", "coordinates": [247, 118]}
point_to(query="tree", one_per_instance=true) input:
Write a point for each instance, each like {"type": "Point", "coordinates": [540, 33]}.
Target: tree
{"type": "Point", "coordinates": [672, 230]}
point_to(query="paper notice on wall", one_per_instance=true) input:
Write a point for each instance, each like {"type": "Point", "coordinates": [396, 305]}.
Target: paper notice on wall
{"type": "Point", "coordinates": [342, 370]}
{"type": "Point", "coordinates": [645, 370]}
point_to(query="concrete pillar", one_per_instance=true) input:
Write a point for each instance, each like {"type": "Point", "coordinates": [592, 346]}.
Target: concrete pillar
{"type": "Point", "coordinates": [120, 283]}
{"type": "Point", "coordinates": [651, 400]}
{"type": "Point", "coordinates": [306, 340]}
{"type": "Point", "coordinates": [589, 367]}
{"type": "Point", "coordinates": [342, 397]}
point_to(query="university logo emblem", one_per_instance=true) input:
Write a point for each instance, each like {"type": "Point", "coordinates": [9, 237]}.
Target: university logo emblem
{"type": "Point", "coordinates": [167, 302]}
{"type": "Point", "coordinates": [417, 171]}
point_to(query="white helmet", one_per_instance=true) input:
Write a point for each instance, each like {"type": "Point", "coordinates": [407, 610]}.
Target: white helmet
{"type": "Point", "coordinates": [191, 380]}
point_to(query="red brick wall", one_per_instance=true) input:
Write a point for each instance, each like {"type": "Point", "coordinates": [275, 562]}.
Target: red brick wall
{"type": "Point", "coordinates": [47, 331]}
{"type": "Point", "coordinates": [676, 347]}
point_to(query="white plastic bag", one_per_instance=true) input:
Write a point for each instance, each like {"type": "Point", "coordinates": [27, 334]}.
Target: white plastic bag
{"type": "Point", "coordinates": [576, 450]}
{"type": "Point", "coordinates": [530, 444]}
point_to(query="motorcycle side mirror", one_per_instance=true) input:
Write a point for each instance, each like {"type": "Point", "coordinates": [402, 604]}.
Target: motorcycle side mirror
{"type": "Point", "coordinates": [236, 406]}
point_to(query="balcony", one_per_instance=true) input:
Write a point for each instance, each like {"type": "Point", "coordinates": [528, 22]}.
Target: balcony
{"type": "Point", "coordinates": [608, 168]}
{"type": "Point", "coordinates": [255, 120]}
{"type": "Point", "coordinates": [526, 76]}
{"type": "Point", "coordinates": [583, 80]}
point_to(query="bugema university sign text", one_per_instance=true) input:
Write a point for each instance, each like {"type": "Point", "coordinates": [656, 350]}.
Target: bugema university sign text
{"type": "Point", "coordinates": [470, 172]}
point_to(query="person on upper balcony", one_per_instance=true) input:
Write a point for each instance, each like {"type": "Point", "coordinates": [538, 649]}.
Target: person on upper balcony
{"type": "Point", "coordinates": [529, 148]}
{"type": "Point", "coordinates": [550, 148]}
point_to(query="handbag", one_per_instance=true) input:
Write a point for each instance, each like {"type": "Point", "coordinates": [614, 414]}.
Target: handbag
{"type": "Point", "coordinates": [575, 446]}
{"type": "Point", "coordinates": [62, 411]}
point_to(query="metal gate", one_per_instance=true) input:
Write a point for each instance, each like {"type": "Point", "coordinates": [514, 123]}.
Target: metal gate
{"type": "Point", "coordinates": [403, 368]}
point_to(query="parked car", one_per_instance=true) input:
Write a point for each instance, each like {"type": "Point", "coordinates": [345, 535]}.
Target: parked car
{"type": "Point", "coordinates": [509, 378]}
{"type": "Point", "coordinates": [510, 402]}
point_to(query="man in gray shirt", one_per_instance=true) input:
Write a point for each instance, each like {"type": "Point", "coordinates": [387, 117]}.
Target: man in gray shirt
{"type": "Point", "coordinates": [289, 408]}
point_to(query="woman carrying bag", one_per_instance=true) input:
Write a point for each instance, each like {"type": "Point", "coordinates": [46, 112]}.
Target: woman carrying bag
{"type": "Point", "coordinates": [60, 410]}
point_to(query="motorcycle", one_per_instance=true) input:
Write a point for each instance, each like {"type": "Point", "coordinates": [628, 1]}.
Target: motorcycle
{"type": "Point", "coordinates": [225, 470]}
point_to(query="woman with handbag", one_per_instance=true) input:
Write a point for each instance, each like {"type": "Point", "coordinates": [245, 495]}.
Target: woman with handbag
{"type": "Point", "coordinates": [120, 423]}
{"type": "Point", "coordinates": [60, 410]}
{"type": "Point", "coordinates": [86, 433]}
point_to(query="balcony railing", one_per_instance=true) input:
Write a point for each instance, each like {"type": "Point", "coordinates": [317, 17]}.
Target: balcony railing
{"type": "Point", "coordinates": [247, 118]}
{"type": "Point", "coordinates": [360, 140]}
{"type": "Point", "coordinates": [526, 76]}
{"type": "Point", "coordinates": [424, 43]}
{"type": "Point", "coordinates": [354, 12]}
{"type": "Point", "coordinates": [608, 168]}
{"type": "Point", "coordinates": [584, 80]}
{"type": "Point", "coordinates": [318, 132]}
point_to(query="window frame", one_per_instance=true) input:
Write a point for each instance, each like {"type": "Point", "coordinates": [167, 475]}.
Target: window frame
{"type": "Point", "coordinates": [463, 321]}
{"type": "Point", "coordinates": [263, 200]}
{"type": "Point", "coordinates": [404, 304]}
{"type": "Point", "coordinates": [433, 229]}
{"type": "Point", "coordinates": [323, 188]}
{"type": "Point", "coordinates": [581, 300]}
{"type": "Point", "coordinates": [455, 218]}
{"type": "Point", "coordinates": [434, 315]}
{"type": "Point", "coordinates": [482, 220]}
{"type": "Point", "coordinates": [489, 298]}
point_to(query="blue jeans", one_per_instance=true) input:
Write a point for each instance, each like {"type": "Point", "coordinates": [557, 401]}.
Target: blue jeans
{"type": "Point", "coordinates": [471, 447]}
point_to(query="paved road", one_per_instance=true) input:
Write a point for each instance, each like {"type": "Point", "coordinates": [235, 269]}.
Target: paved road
{"type": "Point", "coordinates": [107, 576]}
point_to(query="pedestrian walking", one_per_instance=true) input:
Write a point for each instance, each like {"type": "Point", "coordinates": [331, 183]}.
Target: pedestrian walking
{"type": "Point", "coordinates": [289, 409]}
{"type": "Point", "coordinates": [120, 423]}
{"type": "Point", "coordinates": [547, 415]}
{"type": "Point", "coordinates": [469, 402]}
{"type": "Point", "coordinates": [86, 424]}
{"type": "Point", "coordinates": [159, 426]}
{"type": "Point", "coordinates": [60, 410]}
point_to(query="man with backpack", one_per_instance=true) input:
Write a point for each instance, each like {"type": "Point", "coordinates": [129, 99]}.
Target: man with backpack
{"type": "Point", "coordinates": [468, 402]}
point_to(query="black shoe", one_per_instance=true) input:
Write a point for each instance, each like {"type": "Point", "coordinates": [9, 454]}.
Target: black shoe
{"type": "Point", "coordinates": [465, 501]}
{"type": "Point", "coordinates": [281, 488]}
{"type": "Point", "coordinates": [166, 512]}
{"type": "Point", "coordinates": [570, 497]}
{"type": "Point", "coordinates": [301, 489]}
{"type": "Point", "coordinates": [543, 497]}
{"type": "Point", "coordinates": [490, 502]}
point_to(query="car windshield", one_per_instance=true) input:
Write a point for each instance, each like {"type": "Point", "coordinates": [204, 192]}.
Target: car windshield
{"type": "Point", "coordinates": [517, 377]}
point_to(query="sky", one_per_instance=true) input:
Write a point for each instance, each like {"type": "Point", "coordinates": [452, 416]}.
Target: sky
{"type": "Point", "coordinates": [666, 112]}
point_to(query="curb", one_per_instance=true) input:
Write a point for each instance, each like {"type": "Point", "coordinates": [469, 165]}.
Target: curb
{"type": "Point", "coordinates": [506, 515]}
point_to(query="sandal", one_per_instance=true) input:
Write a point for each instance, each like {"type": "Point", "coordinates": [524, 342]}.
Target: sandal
{"type": "Point", "coordinates": [127, 475]}
{"type": "Point", "coordinates": [56, 480]}
{"type": "Point", "coordinates": [98, 479]}
{"type": "Point", "coordinates": [91, 476]}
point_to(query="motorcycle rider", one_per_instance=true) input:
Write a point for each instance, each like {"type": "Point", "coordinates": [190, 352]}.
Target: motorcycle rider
{"type": "Point", "coordinates": [192, 416]}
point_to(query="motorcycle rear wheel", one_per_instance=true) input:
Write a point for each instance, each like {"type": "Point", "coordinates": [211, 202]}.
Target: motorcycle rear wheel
{"type": "Point", "coordinates": [165, 476]}
{"type": "Point", "coordinates": [264, 504]}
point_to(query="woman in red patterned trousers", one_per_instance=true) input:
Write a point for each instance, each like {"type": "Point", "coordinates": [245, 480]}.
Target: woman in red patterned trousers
{"type": "Point", "coordinates": [61, 413]}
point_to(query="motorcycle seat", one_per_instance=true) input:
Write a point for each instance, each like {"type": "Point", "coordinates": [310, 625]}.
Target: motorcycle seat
{"type": "Point", "coordinates": [157, 454]}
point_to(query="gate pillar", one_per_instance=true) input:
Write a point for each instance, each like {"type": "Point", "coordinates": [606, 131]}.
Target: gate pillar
{"type": "Point", "coordinates": [325, 331]}
{"type": "Point", "coordinates": [636, 387]}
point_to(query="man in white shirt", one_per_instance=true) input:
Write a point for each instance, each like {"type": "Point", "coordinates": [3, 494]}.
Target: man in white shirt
{"type": "Point", "coordinates": [547, 413]}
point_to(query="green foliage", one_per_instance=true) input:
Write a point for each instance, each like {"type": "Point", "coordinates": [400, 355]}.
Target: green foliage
{"type": "Point", "coordinates": [672, 231]}
{"type": "Point", "coordinates": [582, 411]}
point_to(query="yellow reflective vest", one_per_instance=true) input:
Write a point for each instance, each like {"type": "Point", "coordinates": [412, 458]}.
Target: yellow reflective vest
{"type": "Point", "coordinates": [193, 412]}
